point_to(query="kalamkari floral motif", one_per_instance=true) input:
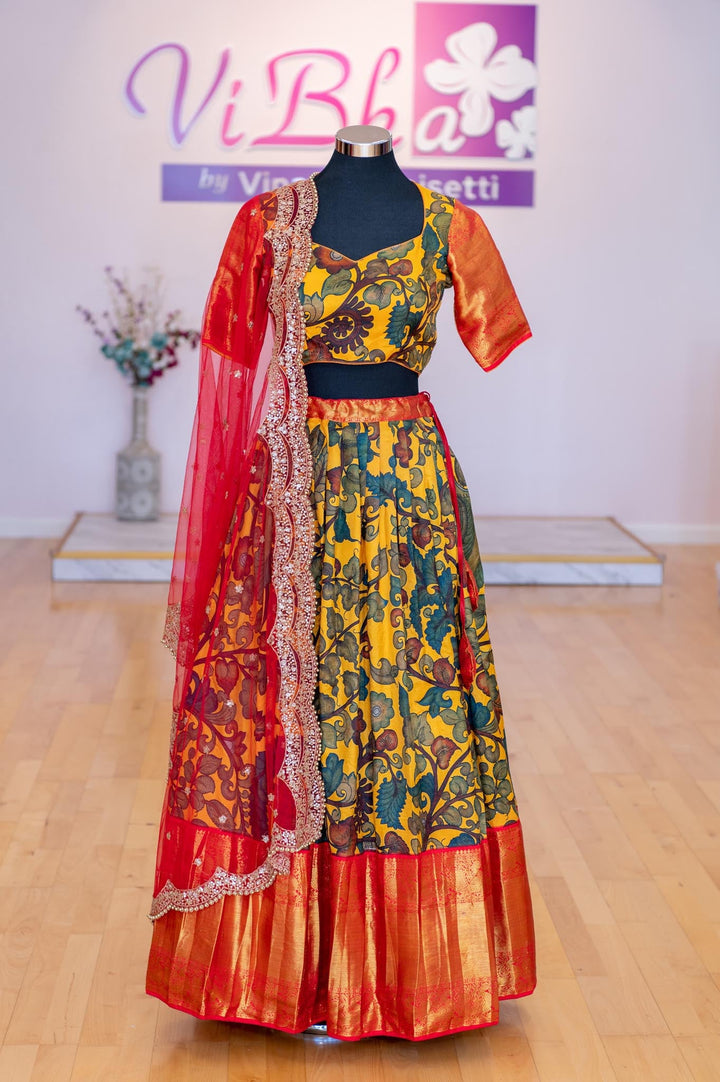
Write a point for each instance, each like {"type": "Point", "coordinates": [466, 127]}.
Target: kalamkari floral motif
{"type": "Point", "coordinates": [410, 760]}
{"type": "Point", "coordinates": [384, 306]}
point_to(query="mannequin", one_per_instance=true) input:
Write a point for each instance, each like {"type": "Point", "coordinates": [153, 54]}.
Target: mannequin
{"type": "Point", "coordinates": [340, 838]}
{"type": "Point", "coordinates": [365, 203]}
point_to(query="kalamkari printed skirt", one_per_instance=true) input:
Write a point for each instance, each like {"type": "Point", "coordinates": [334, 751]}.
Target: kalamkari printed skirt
{"type": "Point", "coordinates": [411, 915]}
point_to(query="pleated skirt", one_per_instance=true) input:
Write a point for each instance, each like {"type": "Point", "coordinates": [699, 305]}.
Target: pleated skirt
{"type": "Point", "coordinates": [411, 916]}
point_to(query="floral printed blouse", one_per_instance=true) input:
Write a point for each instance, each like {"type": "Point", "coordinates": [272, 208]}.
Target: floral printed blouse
{"type": "Point", "coordinates": [383, 306]}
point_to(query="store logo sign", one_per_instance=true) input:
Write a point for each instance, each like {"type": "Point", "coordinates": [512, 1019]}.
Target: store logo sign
{"type": "Point", "coordinates": [475, 80]}
{"type": "Point", "coordinates": [471, 69]}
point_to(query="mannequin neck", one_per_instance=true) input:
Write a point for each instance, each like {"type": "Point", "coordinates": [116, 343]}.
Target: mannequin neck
{"type": "Point", "coordinates": [350, 171]}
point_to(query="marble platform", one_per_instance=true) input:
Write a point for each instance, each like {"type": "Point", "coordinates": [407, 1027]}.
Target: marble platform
{"type": "Point", "coordinates": [565, 552]}
{"type": "Point", "coordinates": [522, 550]}
{"type": "Point", "coordinates": [101, 548]}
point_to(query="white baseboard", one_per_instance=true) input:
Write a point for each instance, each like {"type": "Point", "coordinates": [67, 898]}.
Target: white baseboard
{"type": "Point", "coordinates": [11, 526]}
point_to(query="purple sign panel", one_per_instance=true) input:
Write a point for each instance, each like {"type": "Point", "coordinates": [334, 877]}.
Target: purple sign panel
{"type": "Point", "coordinates": [471, 128]}
{"type": "Point", "coordinates": [475, 79]}
{"type": "Point", "coordinates": [237, 184]}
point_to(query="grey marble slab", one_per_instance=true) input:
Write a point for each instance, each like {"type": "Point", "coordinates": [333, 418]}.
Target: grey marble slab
{"type": "Point", "coordinates": [522, 550]}
{"type": "Point", "coordinates": [559, 573]}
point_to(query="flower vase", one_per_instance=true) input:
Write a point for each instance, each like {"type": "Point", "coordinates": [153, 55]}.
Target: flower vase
{"type": "Point", "coordinates": [137, 492]}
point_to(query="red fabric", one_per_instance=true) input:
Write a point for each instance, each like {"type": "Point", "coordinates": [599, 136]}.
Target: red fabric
{"type": "Point", "coordinates": [488, 314]}
{"type": "Point", "coordinates": [231, 393]}
{"type": "Point", "coordinates": [251, 769]}
{"type": "Point", "coordinates": [403, 945]}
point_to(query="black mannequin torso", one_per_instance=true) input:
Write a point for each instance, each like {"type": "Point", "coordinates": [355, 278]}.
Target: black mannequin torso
{"type": "Point", "coordinates": [364, 204]}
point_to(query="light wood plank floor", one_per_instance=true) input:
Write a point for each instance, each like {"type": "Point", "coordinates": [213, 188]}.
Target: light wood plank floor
{"type": "Point", "coordinates": [612, 702]}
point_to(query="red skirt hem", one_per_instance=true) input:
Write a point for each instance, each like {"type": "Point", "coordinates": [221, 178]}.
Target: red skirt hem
{"type": "Point", "coordinates": [372, 946]}
{"type": "Point", "coordinates": [338, 1036]}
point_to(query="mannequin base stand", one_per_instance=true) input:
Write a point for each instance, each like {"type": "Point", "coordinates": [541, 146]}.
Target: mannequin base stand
{"type": "Point", "coordinates": [319, 1032]}
{"type": "Point", "coordinates": [319, 1029]}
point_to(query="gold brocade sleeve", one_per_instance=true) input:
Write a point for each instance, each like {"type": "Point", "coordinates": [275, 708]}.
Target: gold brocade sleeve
{"type": "Point", "coordinates": [488, 315]}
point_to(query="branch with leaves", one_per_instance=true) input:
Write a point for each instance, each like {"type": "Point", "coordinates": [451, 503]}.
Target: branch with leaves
{"type": "Point", "coordinates": [134, 334]}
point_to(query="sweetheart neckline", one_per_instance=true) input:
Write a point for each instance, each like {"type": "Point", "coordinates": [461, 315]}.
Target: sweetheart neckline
{"type": "Point", "coordinates": [410, 240]}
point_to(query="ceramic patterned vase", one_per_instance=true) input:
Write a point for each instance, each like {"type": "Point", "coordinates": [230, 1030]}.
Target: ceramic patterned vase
{"type": "Point", "coordinates": [137, 493]}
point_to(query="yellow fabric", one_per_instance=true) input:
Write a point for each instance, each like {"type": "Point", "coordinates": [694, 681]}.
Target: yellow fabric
{"type": "Point", "coordinates": [384, 306]}
{"type": "Point", "coordinates": [410, 760]}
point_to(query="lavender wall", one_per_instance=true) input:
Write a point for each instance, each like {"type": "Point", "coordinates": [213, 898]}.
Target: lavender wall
{"type": "Point", "coordinates": [612, 407]}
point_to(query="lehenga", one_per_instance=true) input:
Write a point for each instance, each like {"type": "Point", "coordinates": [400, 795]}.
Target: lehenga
{"type": "Point", "coordinates": [340, 838]}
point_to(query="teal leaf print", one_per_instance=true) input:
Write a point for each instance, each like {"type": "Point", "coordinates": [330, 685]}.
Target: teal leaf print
{"type": "Point", "coordinates": [403, 702]}
{"type": "Point", "coordinates": [431, 245]}
{"type": "Point", "coordinates": [391, 799]}
{"type": "Point", "coordinates": [351, 683]}
{"type": "Point", "coordinates": [435, 701]}
{"type": "Point", "coordinates": [458, 785]}
{"type": "Point", "coordinates": [416, 730]}
{"type": "Point", "coordinates": [397, 251]}
{"type": "Point", "coordinates": [329, 735]}
{"type": "Point", "coordinates": [342, 530]}
{"type": "Point", "coordinates": [337, 284]}
{"type": "Point", "coordinates": [332, 773]}
{"type": "Point", "coordinates": [351, 570]}
{"type": "Point", "coordinates": [479, 716]}
{"type": "Point", "coordinates": [375, 606]}
{"type": "Point", "coordinates": [442, 224]}
{"type": "Point", "coordinates": [437, 626]}
{"type": "Point", "coordinates": [383, 486]}
{"type": "Point", "coordinates": [424, 787]}
{"type": "Point", "coordinates": [451, 817]}
{"type": "Point", "coordinates": [347, 647]}
{"type": "Point", "coordinates": [326, 705]}
{"type": "Point", "coordinates": [380, 293]}
{"type": "Point", "coordinates": [463, 839]}
{"type": "Point", "coordinates": [396, 324]}
{"type": "Point", "coordinates": [413, 319]}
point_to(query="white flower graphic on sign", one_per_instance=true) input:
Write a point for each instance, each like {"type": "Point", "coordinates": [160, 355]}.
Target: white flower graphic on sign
{"type": "Point", "coordinates": [519, 134]}
{"type": "Point", "coordinates": [478, 75]}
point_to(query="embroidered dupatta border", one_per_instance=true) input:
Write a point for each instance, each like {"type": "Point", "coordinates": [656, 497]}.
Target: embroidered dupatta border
{"type": "Point", "coordinates": [288, 496]}
{"type": "Point", "coordinates": [285, 431]}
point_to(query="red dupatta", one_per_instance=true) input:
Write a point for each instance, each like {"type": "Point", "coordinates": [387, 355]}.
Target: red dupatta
{"type": "Point", "coordinates": [244, 788]}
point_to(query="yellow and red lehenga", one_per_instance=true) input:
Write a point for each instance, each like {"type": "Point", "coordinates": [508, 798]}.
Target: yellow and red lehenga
{"type": "Point", "coordinates": [340, 839]}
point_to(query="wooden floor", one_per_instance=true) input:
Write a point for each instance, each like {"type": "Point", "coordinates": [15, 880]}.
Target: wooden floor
{"type": "Point", "coordinates": [612, 703]}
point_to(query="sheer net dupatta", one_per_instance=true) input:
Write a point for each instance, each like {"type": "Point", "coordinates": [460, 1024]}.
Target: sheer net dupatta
{"type": "Point", "coordinates": [244, 788]}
